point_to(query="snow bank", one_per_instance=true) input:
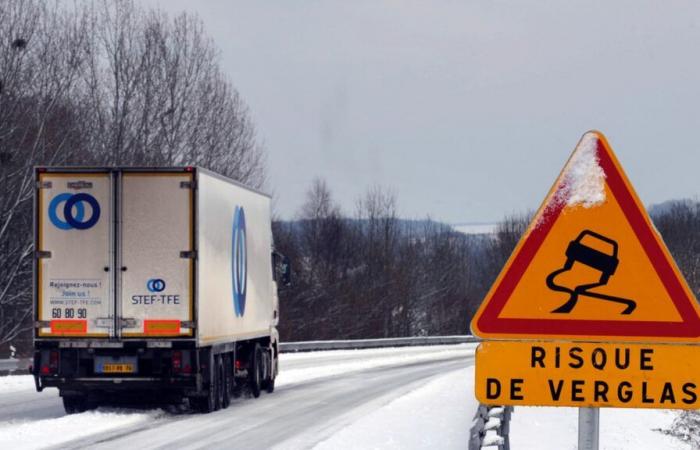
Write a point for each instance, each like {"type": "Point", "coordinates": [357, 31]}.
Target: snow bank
{"type": "Point", "coordinates": [51, 432]}
{"type": "Point", "coordinates": [437, 415]}
{"type": "Point", "coordinates": [362, 359]}
{"type": "Point", "coordinates": [14, 383]}
{"type": "Point", "coordinates": [686, 426]}
{"type": "Point", "coordinates": [620, 429]}
{"type": "Point", "coordinates": [583, 180]}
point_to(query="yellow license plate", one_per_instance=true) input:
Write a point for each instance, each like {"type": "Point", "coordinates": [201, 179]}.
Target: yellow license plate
{"type": "Point", "coordinates": [118, 368]}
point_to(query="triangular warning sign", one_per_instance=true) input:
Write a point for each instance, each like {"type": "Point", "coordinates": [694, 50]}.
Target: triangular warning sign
{"type": "Point", "coordinates": [591, 265]}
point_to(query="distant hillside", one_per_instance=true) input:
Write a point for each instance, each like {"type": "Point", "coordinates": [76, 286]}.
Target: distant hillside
{"type": "Point", "coordinates": [407, 227]}
{"type": "Point", "coordinates": [475, 228]}
{"type": "Point", "coordinates": [665, 207]}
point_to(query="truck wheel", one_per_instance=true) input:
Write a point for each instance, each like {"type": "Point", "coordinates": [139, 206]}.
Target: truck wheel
{"type": "Point", "coordinates": [209, 403]}
{"type": "Point", "coordinates": [74, 404]}
{"type": "Point", "coordinates": [269, 383]}
{"type": "Point", "coordinates": [221, 388]}
{"type": "Point", "coordinates": [217, 387]}
{"type": "Point", "coordinates": [254, 377]}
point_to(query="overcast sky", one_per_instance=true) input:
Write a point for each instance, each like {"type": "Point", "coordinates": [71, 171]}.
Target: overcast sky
{"type": "Point", "coordinates": [466, 109]}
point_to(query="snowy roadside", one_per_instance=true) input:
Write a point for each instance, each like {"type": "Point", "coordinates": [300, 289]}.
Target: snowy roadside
{"type": "Point", "coordinates": [27, 429]}
{"type": "Point", "coordinates": [14, 383]}
{"type": "Point", "coordinates": [435, 415]}
{"type": "Point", "coordinates": [53, 432]}
{"type": "Point", "coordinates": [330, 363]}
{"type": "Point", "coordinates": [620, 429]}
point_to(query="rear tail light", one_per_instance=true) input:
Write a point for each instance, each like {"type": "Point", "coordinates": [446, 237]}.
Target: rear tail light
{"type": "Point", "coordinates": [181, 362]}
{"type": "Point", "coordinates": [177, 361]}
{"type": "Point", "coordinates": [52, 366]}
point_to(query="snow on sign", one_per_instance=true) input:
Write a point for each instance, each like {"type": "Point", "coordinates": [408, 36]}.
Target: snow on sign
{"type": "Point", "coordinates": [590, 266]}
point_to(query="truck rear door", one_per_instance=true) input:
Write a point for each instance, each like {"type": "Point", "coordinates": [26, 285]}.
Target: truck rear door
{"type": "Point", "coordinates": [74, 248]}
{"type": "Point", "coordinates": [155, 296]}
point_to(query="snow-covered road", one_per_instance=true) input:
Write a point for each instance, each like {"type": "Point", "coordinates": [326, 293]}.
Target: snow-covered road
{"type": "Point", "coordinates": [334, 399]}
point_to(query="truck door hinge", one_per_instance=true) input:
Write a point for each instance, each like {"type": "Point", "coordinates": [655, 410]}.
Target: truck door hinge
{"type": "Point", "coordinates": [44, 185]}
{"type": "Point", "coordinates": [188, 254]}
{"type": "Point", "coordinates": [127, 323]}
{"type": "Point", "coordinates": [42, 254]}
{"type": "Point", "coordinates": [81, 184]}
{"type": "Point", "coordinates": [188, 185]}
{"type": "Point", "coordinates": [42, 324]}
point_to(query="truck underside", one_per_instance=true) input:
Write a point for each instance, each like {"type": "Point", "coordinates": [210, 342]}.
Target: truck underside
{"type": "Point", "coordinates": [204, 379]}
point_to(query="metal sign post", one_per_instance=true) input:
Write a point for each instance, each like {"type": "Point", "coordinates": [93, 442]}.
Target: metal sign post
{"type": "Point", "coordinates": [588, 428]}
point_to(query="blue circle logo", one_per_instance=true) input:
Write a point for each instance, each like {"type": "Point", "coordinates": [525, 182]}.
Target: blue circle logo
{"type": "Point", "coordinates": [74, 211]}
{"type": "Point", "coordinates": [239, 261]}
{"type": "Point", "coordinates": [155, 285]}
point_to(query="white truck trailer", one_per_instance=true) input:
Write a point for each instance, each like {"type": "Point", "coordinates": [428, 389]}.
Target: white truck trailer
{"type": "Point", "coordinates": [153, 283]}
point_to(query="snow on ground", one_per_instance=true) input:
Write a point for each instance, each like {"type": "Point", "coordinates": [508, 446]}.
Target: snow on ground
{"type": "Point", "coordinates": [29, 429]}
{"type": "Point", "coordinates": [14, 383]}
{"type": "Point", "coordinates": [52, 432]}
{"type": "Point", "coordinates": [360, 360]}
{"type": "Point", "coordinates": [437, 415]}
{"type": "Point", "coordinates": [620, 429]}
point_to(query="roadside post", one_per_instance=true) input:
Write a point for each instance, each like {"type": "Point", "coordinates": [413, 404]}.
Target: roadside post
{"type": "Point", "coordinates": [588, 428]}
{"type": "Point", "coordinates": [590, 310]}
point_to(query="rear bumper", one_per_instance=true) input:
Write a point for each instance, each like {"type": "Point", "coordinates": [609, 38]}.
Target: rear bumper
{"type": "Point", "coordinates": [189, 386]}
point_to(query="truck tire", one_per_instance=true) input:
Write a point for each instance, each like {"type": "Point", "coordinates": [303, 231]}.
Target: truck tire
{"type": "Point", "coordinates": [254, 375]}
{"type": "Point", "coordinates": [221, 387]}
{"type": "Point", "coordinates": [269, 383]}
{"type": "Point", "coordinates": [209, 403]}
{"type": "Point", "coordinates": [270, 386]}
{"type": "Point", "coordinates": [74, 404]}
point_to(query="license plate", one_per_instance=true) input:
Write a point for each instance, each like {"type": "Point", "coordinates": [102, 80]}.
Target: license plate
{"type": "Point", "coordinates": [116, 364]}
{"type": "Point", "coordinates": [118, 368]}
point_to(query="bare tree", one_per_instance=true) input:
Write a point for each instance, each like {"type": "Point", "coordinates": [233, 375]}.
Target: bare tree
{"type": "Point", "coordinates": [101, 84]}
{"type": "Point", "coordinates": [378, 222]}
{"type": "Point", "coordinates": [160, 97]}
{"type": "Point", "coordinates": [39, 66]}
{"type": "Point", "coordinates": [372, 275]}
{"type": "Point", "coordinates": [679, 224]}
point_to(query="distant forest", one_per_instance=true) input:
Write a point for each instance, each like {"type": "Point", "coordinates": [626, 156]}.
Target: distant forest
{"type": "Point", "coordinates": [371, 274]}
